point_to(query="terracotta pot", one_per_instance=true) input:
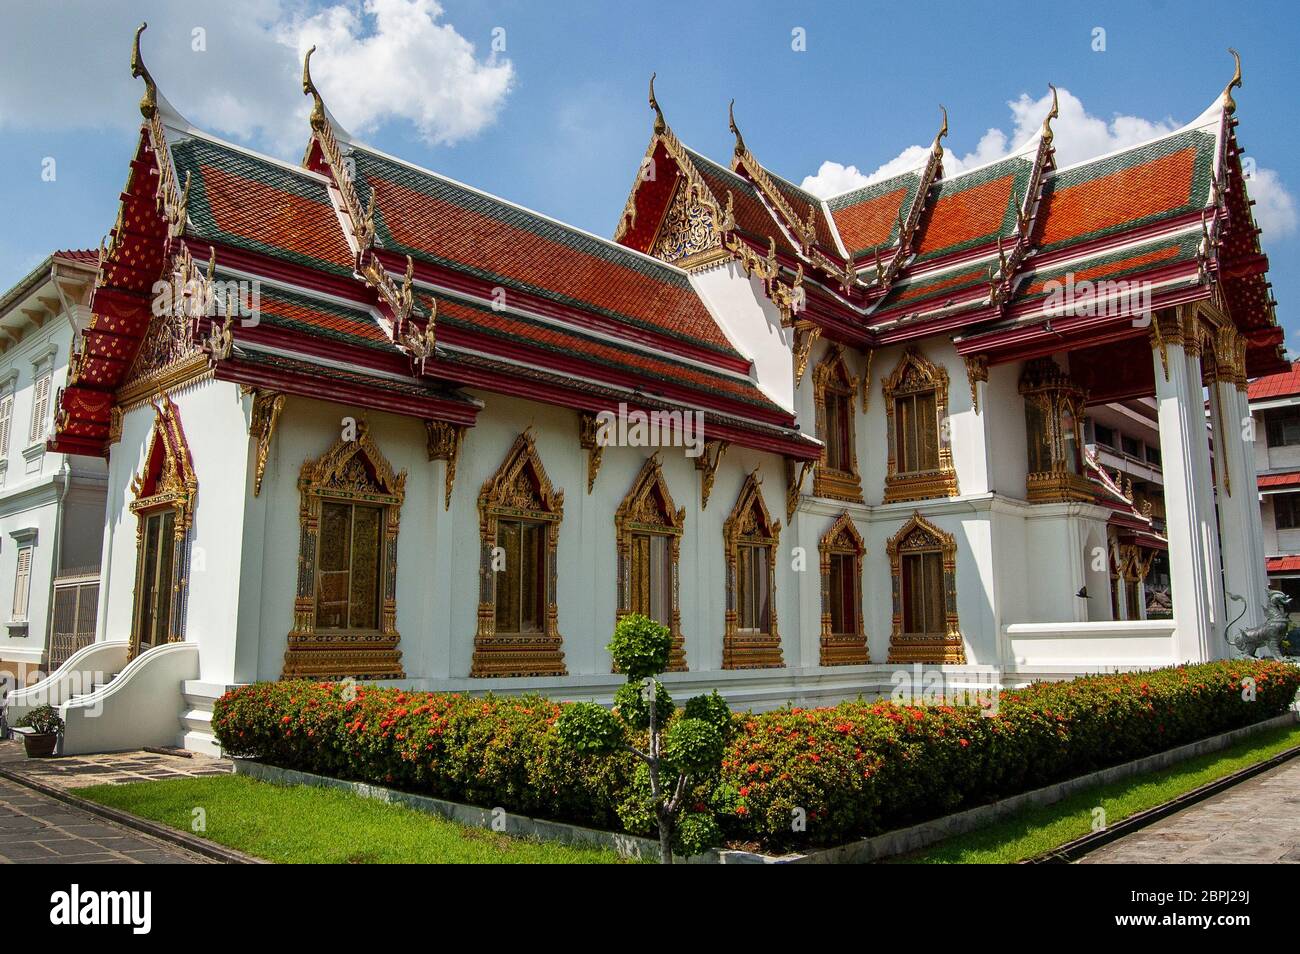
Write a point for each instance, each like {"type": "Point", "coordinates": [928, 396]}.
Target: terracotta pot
{"type": "Point", "coordinates": [40, 746]}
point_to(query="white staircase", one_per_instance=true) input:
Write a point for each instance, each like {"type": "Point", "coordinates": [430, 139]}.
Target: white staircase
{"type": "Point", "coordinates": [196, 716]}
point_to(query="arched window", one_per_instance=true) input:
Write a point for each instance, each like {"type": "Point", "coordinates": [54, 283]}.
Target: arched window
{"type": "Point", "coordinates": [649, 543]}
{"type": "Point", "coordinates": [920, 454]}
{"type": "Point", "coordinates": [1054, 434]}
{"type": "Point", "coordinates": [164, 493]}
{"type": "Point", "coordinates": [345, 611]}
{"type": "Point", "coordinates": [923, 564]}
{"type": "Point", "coordinates": [843, 636]}
{"type": "Point", "coordinates": [519, 525]}
{"type": "Point", "coordinates": [751, 639]}
{"type": "Point", "coordinates": [834, 391]}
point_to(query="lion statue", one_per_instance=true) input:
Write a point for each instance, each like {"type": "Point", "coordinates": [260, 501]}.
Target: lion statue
{"type": "Point", "coordinates": [1277, 621]}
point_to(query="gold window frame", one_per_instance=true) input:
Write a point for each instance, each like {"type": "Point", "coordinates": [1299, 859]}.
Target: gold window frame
{"type": "Point", "coordinates": [1060, 405]}
{"type": "Point", "coordinates": [916, 374]}
{"type": "Point", "coordinates": [519, 489]}
{"type": "Point", "coordinates": [918, 535]}
{"type": "Point", "coordinates": [842, 649]}
{"type": "Point", "coordinates": [751, 524]}
{"type": "Point", "coordinates": [648, 508]}
{"type": "Point", "coordinates": [832, 376]}
{"type": "Point", "coordinates": [351, 471]}
{"type": "Point", "coordinates": [167, 480]}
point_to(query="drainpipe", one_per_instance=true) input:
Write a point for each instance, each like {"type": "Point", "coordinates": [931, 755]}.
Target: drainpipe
{"type": "Point", "coordinates": [63, 479]}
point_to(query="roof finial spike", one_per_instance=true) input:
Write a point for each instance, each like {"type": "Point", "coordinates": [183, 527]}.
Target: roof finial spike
{"type": "Point", "coordinates": [1230, 104]}
{"type": "Point", "coordinates": [735, 130]}
{"type": "Point", "coordinates": [661, 125]}
{"type": "Point", "coordinates": [148, 102]}
{"type": "Point", "coordinates": [309, 89]}
{"type": "Point", "coordinates": [1052, 113]}
{"type": "Point", "coordinates": [937, 149]}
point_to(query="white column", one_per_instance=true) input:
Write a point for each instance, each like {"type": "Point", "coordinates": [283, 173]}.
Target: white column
{"type": "Point", "coordinates": [1242, 534]}
{"type": "Point", "coordinates": [1184, 452]}
{"type": "Point", "coordinates": [1207, 511]}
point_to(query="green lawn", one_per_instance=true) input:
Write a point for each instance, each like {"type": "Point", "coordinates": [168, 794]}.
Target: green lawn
{"type": "Point", "coordinates": [1036, 830]}
{"type": "Point", "coordinates": [300, 824]}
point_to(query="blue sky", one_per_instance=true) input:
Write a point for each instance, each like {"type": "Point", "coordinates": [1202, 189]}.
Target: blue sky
{"type": "Point", "coordinates": [557, 119]}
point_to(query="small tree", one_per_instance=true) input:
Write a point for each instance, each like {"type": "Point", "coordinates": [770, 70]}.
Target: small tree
{"type": "Point", "coordinates": [680, 756]}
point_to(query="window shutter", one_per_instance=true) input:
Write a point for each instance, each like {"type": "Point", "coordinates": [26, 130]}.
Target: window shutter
{"type": "Point", "coordinates": [22, 581]}
{"type": "Point", "coordinates": [40, 405]}
{"type": "Point", "coordinates": [6, 415]}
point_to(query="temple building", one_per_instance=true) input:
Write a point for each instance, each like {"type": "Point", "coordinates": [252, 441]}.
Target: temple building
{"type": "Point", "coordinates": [368, 436]}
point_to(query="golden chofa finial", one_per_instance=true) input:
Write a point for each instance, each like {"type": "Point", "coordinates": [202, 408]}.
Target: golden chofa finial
{"type": "Point", "coordinates": [309, 89]}
{"type": "Point", "coordinates": [660, 124]}
{"type": "Point", "coordinates": [1230, 104]}
{"type": "Point", "coordinates": [1052, 113]}
{"type": "Point", "coordinates": [937, 148]}
{"type": "Point", "coordinates": [735, 130]}
{"type": "Point", "coordinates": [148, 102]}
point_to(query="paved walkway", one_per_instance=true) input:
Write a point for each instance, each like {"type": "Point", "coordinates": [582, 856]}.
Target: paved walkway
{"type": "Point", "coordinates": [1255, 822]}
{"type": "Point", "coordinates": [38, 829]}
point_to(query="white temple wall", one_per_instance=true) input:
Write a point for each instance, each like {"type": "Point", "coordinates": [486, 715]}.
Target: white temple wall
{"type": "Point", "coordinates": [752, 323]}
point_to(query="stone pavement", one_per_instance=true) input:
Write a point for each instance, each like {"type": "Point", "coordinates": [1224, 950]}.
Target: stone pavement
{"type": "Point", "coordinates": [1254, 822]}
{"type": "Point", "coordinates": [38, 829]}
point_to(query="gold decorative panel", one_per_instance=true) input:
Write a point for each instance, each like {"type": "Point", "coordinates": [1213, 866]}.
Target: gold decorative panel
{"type": "Point", "coordinates": [918, 538]}
{"type": "Point", "coordinates": [648, 513]}
{"type": "Point", "coordinates": [518, 491]}
{"type": "Point", "coordinates": [1054, 433]}
{"type": "Point", "coordinates": [835, 393]}
{"type": "Point", "coordinates": [351, 477]}
{"type": "Point", "coordinates": [750, 536]}
{"type": "Point", "coordinates": [842, 544]}
{"type": "Point", "coordinates": [917, 383]}
{"type": "Point", "coordinates": [167, 485]}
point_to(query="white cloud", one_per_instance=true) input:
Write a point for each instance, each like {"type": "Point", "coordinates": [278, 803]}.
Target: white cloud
{"type": "Point", "coordinates": [1275, 212]}
{"type": "Point", "coordinates": [1079, 136]}
{"type": "Point", "coordinates": [378, 61]}
{"type": "Point", "coordinates": [410, 67]}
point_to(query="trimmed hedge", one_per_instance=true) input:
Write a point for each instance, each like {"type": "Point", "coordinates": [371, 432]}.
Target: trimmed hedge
{"type": "Point", "coordinates": [851, 770]}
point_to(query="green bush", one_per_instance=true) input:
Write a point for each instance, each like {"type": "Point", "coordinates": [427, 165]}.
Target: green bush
{"type": "Point", "coordinates": [847, 771]}
{"type": "Point", "coordinates": [641, 647]}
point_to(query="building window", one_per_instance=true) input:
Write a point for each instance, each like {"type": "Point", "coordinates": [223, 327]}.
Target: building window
{"type": "Point", "coordinates": [348, 566]}
{"type": "Point", "coordinates": [920, 457]}
{"type": "Point", "coordinates": [1153, 456]}
{"type": "Point", "coordinates": [843, 637]}
{"type": "Point", "coordinates": [1286, 511]}
{"type": "Point", "coordinates": [154, 580]}
{"type": "Point", "coordinates": [649, 527]}
{"type": "Point", "coordinates": [1282, 426]}
{"type": "Point", "coordinates": [1104, 435]}
{"type": "Point", "coordinates": [751, 639]}
{"type": "Point", "coordinates": [165, 493]}
{"type": "Point", "coordinates": [923, 564]}
{"type": "Point", "coordinates": [1132, 446]}
{"type": "Point", "coordinates": [922, 582]}
{"type": "Point", "coordinates": [519, 525]}
{"type": "Point", "coordinates": [1053, 433]}
{"type": "Point", "coordinates": [22, 584]}
{"type": "Point", "coordinates": [40, 402]}
{"type": "Point", "coordinates": [6, 420]}
{"type": "Point", "coordinates": [345, 610]}
{"type": "Point", "coordinates": [834, 392]}
{"type": "Point", "coordinates": [521, 585]}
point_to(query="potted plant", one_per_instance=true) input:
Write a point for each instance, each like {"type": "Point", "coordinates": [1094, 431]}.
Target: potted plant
{"type": "Point", "coordinates": [40, 729]}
